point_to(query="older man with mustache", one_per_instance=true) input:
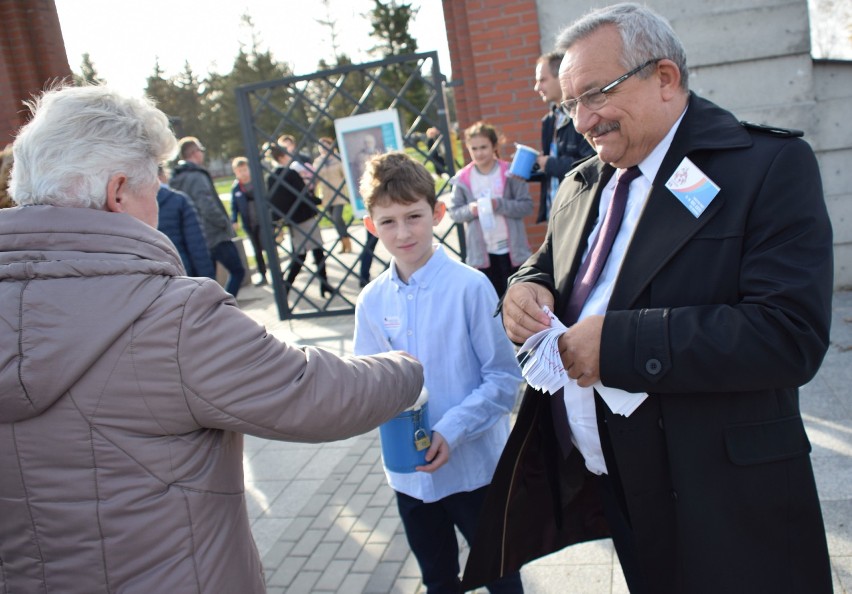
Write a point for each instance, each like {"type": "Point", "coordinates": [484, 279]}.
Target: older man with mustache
{"type": "Point", "coordinates": [692, 265]}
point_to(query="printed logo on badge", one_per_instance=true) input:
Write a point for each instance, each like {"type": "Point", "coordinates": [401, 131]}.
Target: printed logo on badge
{"type": "Point", "coordinates": [391, 322]}
{"type": "Point", "coordinates": [694, 189]}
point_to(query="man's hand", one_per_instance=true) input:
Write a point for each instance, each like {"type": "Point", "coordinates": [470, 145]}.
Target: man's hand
{"type": "Point", "coordinates": [437, 455]}
{"type": "Point", "coordinates": [522, 310]}
{"type": "Point", "coordinates": [580, 349]}
{"type": "Point", "coordinates": [542, 161]}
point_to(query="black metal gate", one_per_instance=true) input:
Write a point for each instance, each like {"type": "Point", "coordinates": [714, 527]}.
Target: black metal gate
{"type": "Point", "coordinates": [306, 107]}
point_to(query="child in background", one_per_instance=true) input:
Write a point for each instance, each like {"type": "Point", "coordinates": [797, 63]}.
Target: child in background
{"type": "Point", "coordinates": [440, 311]}
{"type": "Point", "coordinates": [492, 205]}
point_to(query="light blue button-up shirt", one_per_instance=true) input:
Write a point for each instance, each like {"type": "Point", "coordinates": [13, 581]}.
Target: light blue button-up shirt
{"type": "Point", "coordinates": [444, 317]}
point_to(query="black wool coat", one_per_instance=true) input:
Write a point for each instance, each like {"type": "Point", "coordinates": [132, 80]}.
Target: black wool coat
{"type": "Point", "coordinates": [719, 318]}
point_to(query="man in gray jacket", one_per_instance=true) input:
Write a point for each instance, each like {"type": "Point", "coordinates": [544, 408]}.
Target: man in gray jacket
{"type": "Point", "coordinates": [192, 178]}
{"type": "Point", "coordinates": [126, 387]}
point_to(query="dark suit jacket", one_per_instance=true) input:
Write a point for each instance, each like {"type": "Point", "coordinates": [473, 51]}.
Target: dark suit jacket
{"type": "Point", "coordinates": [720, 319]}
{"type": "Point", "coordinates": [571, 148]}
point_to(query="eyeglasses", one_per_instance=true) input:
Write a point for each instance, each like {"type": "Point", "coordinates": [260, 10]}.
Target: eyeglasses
{"type": "Point", "coordinates": [594, 99]}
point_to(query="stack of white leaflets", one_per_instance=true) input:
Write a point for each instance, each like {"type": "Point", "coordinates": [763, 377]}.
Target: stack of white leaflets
{"type": "Point", "coordinates": [539, 358]}
{"type": "Point", "coordinates": [543, 370]}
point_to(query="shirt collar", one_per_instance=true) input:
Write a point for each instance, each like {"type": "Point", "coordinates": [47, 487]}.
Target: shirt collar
{"type": "Point", "coordinates": [651, 164]}
{"type": "Point", "coordinates": [426, 274]}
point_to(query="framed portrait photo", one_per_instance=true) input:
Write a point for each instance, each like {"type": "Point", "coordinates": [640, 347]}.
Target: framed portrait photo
{"type": "Point", "coordinates": [359, 138]}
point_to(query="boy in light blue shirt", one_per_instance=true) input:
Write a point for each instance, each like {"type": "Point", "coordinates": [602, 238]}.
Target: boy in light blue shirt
{"type": "Point", "coordinates": [441, 311]}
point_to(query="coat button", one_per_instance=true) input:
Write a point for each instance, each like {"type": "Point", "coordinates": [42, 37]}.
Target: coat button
{"type": "Point", "coordinates": [653, 366]}
{"type": "Point", "coordinates": [660, 423]}
{"type": "Point", "coordinates": [674, 494]}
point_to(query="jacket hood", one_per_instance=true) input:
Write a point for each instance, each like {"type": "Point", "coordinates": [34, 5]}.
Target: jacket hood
{"type": "Point", "coordinates": [72, 280]}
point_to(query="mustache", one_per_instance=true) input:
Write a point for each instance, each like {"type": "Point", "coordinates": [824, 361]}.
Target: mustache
{"type": "Point", "coordinates": [601, 128]}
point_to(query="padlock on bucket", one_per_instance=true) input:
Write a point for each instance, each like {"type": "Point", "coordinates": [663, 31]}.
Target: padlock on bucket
{"type": "Point", "coordinates": [523, 161]}
{"type": "Point", "coordinates": [406, 437]}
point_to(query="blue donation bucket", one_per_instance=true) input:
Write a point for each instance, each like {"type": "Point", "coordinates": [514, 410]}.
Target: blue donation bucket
{"type": "Point", "coordinates": [523, 161]}
{"type": "Point", "coordinates": [407, 436]}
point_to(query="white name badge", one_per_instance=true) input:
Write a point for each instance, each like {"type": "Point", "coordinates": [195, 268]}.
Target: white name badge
{"type": "Point", "coordinates": [692, 187]}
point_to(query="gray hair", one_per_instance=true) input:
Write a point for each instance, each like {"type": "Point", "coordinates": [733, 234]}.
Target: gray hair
{"type": "Point", "coordinates": [78, 138]}
{"type": "Point", "coordinates": [645, 35]}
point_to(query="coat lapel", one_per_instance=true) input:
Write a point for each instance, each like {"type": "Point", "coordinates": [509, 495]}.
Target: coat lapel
{"type": "Point", "coordinates": [666, 224]}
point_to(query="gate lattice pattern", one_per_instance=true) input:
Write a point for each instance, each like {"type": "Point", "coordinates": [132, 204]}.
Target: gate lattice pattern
{"type": "Point", "coordinates": [306, 107]}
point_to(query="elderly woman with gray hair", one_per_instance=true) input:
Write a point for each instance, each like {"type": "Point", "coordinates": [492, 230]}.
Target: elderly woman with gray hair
{"type": "Point", "coordinates": [125, 386]}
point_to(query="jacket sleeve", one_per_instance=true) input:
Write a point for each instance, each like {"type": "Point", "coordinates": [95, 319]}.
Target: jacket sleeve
{"type": "Point", "coordinates": [205, 202]}
{"type": "Point", "coordinates": [239, 378]}
{"type": "Point", "coordinates": [773, 333]}
{"type": "Point", "coordinates": [516, 202]}
{"type": "Point", "coordinates": [558, 166]}
{"type": "Point", "coordinates": [459, 210]}
{"type": "Point", "coordinates": [196, 246]}
{"type": "Point", "coordinates": [235, 204]}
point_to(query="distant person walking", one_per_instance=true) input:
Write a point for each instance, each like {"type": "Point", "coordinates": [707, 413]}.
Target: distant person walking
{"type": "Point", "coordinates": [191, 178]}
{"type": "Point", "coordinates": [331, 188]}
{"type": "Point", "coordinates": [179, 222]}
{"type": "Point", "coordinates": [244, 207]}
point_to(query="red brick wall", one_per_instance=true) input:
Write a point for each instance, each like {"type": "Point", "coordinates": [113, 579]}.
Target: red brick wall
{"type": "Point", "coordinates": [494, 45]}
{"type": "Point", "coordinates": [32, 54]}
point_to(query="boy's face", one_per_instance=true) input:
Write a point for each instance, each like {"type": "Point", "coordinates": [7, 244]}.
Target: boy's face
{"type": "Point", "coordinates": [242, 173]}
{"type": "Point", "coordinates": [406, 231]}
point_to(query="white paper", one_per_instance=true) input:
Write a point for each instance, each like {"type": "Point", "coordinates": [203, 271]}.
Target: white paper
{"type": "Point", "coordinates": [542, 368]}
{"type": "Point", "coordinates": [485, 211]}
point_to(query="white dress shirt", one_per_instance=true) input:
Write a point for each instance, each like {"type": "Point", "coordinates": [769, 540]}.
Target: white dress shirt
{"type": "Point", "coordinates": [580, 402]}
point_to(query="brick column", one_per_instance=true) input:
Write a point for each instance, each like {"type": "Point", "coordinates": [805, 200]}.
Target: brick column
{"type": "Point", "coordinates": [494, 45]}
{"type": "Point", "coordinates": [32, 55]}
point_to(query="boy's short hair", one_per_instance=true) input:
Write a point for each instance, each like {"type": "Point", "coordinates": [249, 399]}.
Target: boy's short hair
{"type": "Point", "coordinates": [395, 177]}
{"type": "Point", "coordinates": [238, 162]}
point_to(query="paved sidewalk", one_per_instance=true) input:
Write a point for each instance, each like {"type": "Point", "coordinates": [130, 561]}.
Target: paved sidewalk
{"type": "Point", "coordinates": [325, 520]}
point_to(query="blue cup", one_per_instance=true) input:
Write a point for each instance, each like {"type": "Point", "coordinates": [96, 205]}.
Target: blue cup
{"type": "Point", "coordinates": [402, 437]}
{"type": "Point", "coordinates": [523, 161]}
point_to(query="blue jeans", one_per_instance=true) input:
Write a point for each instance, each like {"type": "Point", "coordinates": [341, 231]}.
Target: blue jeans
{"type": "Point", "coordinates": [226, 254]}
{"type": "Point", "coordinates": [430, 529]}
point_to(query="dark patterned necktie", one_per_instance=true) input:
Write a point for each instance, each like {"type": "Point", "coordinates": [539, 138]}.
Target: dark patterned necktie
{"type": "Point", "coordinates": [585, 280]}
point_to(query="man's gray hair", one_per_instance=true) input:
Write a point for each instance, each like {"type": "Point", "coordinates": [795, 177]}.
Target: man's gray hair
{"type": "Point", "coordinates": [645, 35]}
{"type": "Point", "coordinates": [79, 137]}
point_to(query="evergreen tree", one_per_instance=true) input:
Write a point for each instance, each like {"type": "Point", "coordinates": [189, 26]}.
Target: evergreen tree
{"type": "Point", "coordinates": [88, 74]}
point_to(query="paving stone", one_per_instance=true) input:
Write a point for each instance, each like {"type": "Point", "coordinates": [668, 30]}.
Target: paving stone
{"type": "Point", "coordinates": [333, 575]}
{"type": "Point", "coordinates": [277, 553]}
{"type": "Point", "coordinates": [405, 585]}
{"type": "Point", "coordinates": [343, 493]}
{"type": "Point", "coordinates": [358, 473]}
{"type": "Point", "coordinates": [383, 577]}
{"type": "Point", "coordinates": [304, 583]}
{"type": "Point", "coordinates": [314, 505]}
{"type": "Point", "coordinates": [309, 541]}
{"type": "Point", "coordinates": [326, 517]}
{"type": "Point", "coordinates": [297, 528]}
{"type": "Point", "coordinates": [322, 556]}
{"type": "Point", "coordinates": [287, 571]}
{"type": "Point", "coordinates": [340, 529]}
{"type": "Point", "coordinates": [354, 583]}
{"type": "Point", "coordinates": [352, 546]}
{"type": "Point", "coordinates": [384, 531]}
{"type": "Point", "coordinates": [331, 484]}
{"type": "Point", "coordinates": [370, 484]}
{"type": "Point", "coordinates": [356, 504]}
{"type": "Point", "coordinates": [368, 519]}
{"type": "Point", "coordinates": [369, 558]}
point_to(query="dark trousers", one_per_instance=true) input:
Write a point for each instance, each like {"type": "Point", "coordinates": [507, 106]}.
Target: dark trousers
{"type": "Point", "coordinates": [254, 237]}
{"type": "Point", "coordinates": [226, 254]}
{"type": "Point", "coordinates": [430, 529]}
{"type": "Point", "coordinates": [499, 270]}
{"type": "Point", "coordinates": [367, 257]}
